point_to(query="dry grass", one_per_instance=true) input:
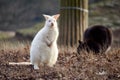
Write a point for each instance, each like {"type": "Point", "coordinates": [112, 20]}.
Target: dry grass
{"type": "Point", "coordinates": [70, 65]}
{"type": "Point", "coordinates": [13, 45]}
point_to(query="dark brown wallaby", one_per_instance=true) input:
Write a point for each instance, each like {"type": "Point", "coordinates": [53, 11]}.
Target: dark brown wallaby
{"type": "Point", "coordinates": [97, 39]}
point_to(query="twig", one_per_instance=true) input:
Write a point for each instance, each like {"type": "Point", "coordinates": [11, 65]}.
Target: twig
{"type": "Point", "coordinates": [20, 63]}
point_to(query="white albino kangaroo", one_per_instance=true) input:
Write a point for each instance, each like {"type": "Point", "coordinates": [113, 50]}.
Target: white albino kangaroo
{"type": "Point", "coordinates": [44, 46]}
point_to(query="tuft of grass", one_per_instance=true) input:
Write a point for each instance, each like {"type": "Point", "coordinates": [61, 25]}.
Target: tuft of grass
{"type": "Point", "coordinates": [13, 45]}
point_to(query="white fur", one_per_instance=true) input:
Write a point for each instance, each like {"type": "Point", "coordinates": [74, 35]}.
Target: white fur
{"type": "Point", "coordinates": [44, 46]}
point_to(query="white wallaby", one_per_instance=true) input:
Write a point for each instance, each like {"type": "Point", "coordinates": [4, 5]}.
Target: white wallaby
{"type": "Point", "coordinates": [44, 48]}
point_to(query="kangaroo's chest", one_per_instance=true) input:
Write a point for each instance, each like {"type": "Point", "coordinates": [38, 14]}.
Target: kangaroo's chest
{"type": "Point", "coordinates": [51, 34]}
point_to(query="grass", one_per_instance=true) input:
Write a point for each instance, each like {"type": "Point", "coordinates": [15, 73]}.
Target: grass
{"type": "Point", "coordinates": [6, 35]}
{"type": "Point", "coordinates": [33, 30]}
{"type": "Point", "coordinates": [13, 45]}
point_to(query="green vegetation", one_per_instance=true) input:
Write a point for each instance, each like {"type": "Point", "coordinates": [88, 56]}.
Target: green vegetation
{"type": "Point", "coordinates": [33, 30]}
{"type": "Point", "coordinates": [19, 14]}
{"type": "Point", "coordinates": [6, 35]}
{"type": "Point", "coordinates": [105, 13]}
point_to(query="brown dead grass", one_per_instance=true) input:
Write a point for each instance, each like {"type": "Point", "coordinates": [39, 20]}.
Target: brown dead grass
{"type": "Point", "coordinates": [70, 65]}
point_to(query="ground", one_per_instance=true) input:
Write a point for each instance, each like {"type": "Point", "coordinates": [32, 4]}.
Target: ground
{"type": "Point", "coordinates": [70, 66]}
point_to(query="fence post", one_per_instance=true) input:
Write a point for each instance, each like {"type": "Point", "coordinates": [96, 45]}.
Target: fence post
{"type": "Point", "coordinates": [73, 21]}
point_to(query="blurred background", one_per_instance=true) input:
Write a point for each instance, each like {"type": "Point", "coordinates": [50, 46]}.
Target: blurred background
{"type": "Point", "coordinates": [20, 20]}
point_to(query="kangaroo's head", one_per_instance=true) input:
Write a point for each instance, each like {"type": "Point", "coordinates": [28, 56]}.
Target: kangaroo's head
{"type": "Point", "coordinates": [51, 21]}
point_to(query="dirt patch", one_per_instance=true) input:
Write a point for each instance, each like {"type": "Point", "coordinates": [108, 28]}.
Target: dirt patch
{"type": "Point", "coordinates": [69, 66]}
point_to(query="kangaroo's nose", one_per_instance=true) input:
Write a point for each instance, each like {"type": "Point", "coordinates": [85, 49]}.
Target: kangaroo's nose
{"type": "Point", "coordinates": [52, 24]}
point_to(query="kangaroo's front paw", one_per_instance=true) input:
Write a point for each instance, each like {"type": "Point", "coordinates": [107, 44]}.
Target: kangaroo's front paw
{"type": "Point", "coordinates": [50, 64]}
{"type": "Point", "coordinates": [49, 45]}
{"type": "Point", "coordinates": [36, 67]}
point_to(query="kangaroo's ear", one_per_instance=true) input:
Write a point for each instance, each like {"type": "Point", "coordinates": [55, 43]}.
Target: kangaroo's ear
{"type": "Point", "coordinates": [56, 16]}
{"type": "Point", "coordinates": [46, 16]}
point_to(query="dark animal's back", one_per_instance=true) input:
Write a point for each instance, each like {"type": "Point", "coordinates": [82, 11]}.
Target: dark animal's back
{"type": "Point", "coordinates": [97, 38]}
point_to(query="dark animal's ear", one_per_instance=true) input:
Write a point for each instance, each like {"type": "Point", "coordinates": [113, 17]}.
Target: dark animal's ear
{"type": "Point", "coordinates": [80, 42]}
{"type": "Point", "coordinates": [80, 47]}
